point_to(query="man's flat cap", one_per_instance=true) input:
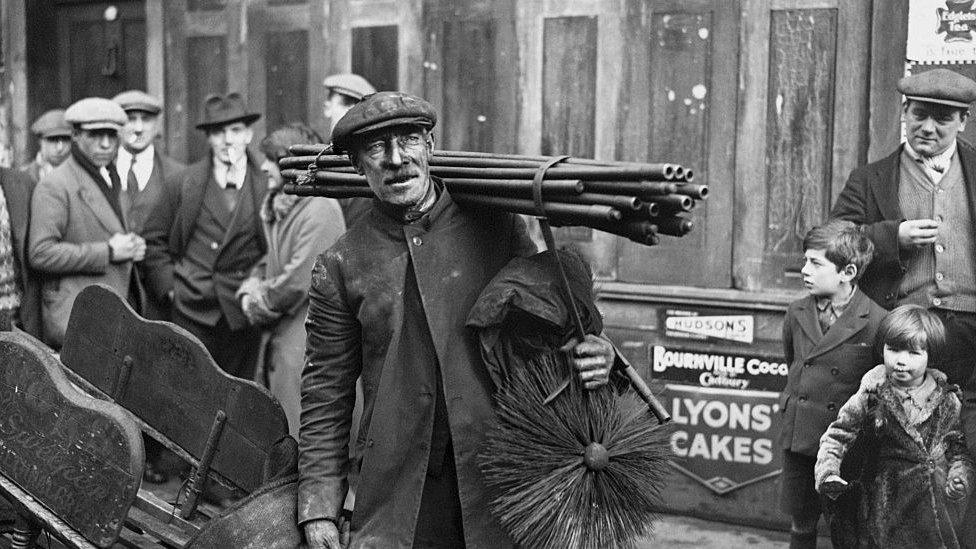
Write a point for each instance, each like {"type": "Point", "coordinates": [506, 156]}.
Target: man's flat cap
{"type": "Point", "coordinates": [939, 86]}
{"type": "Point", "coordinates": [352, 85]}
{"type": "Point", "coordinates": [136, 100]}
{"type": "Point", "coordinates": [51, 124]}
{"type": "Point", "coordinates": [221, 110]}
{"type": "Point", "coordinates": [96, 113]}
{"type": "Point", "coordinates": [382, 110]}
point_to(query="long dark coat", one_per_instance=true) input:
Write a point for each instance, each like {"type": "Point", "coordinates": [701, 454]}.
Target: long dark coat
{"type": "Point", "coordinates": [18, 187]}
{"type": "Point", "coordinates": [825, 369]}
{"type": "Point", "coordinates": [354, 325]}
{"type": "Point", "coordinates": [899, 496]}
{"type": "Point", "coordinates": [870, 198]}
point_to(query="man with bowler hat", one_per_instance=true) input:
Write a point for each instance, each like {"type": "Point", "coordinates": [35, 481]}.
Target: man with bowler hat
{"type": "Point", "coordinates": [388, 305]}
{"type": "Point", "coordinates": [78, 234]}
{"type": "Point", "coordinates": [53, 143]}
{"type": "Point", "coordinates": [345, 90]}
{"type": "Point", "coordinates": [205, 235]}
{"type": "Point", "coordinates": [918, 206]}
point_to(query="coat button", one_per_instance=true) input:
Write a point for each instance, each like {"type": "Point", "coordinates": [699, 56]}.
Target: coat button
{"type": "Point", "coordinates": [834, 371]}
{"type": "Point", "coordinates": [417, 241]}
{"type": "Point", "coordinates": [803, 399]}
{"type": "Point", "coordinates": [369, 443]}
{"type": "Point", "coordinates": [214, 245]}
{"type": "Point", "coordinates": [806, 364]}
{"type": "Point", "coordinates": [936, 302]}
{"type": "Point", "coordinates": [831, 406]}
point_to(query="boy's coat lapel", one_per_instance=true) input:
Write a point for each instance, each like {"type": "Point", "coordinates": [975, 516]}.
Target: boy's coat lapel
{"type": "Point", "coordinates": [807, 318]}
{"type": "Point", "coordinates": [854, 319]}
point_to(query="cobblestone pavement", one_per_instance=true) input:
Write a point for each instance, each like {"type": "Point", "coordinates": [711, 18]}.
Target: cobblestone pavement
{"type": "Point", "coordinates": [685, 532]}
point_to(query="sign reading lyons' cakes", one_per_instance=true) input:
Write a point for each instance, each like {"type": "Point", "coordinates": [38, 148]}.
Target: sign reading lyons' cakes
{"type": "Point", "coordinates": [941, 32]}
{"type": "Point", "coordinates": [725, 410]}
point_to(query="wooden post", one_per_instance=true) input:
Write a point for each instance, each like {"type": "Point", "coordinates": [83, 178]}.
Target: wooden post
{"type": "Point", "coordinates": [13, 83]}
{"type": "Point", "coordinates": [199, 479]}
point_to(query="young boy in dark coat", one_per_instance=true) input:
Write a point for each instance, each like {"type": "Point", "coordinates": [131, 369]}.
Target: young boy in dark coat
{"type": "Point", "coordinates": [911, 489]}
{"type": "Point", "coordinates": [828, 339]}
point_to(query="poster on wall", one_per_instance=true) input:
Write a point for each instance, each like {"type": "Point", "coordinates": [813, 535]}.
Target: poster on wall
{"type": "Point", "coordinates": [941, 32]}
{"type": "Point", "coordinates": [726, 414]}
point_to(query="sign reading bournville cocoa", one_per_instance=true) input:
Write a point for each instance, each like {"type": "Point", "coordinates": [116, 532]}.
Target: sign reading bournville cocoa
{"type": "Point", "coordinates": [726, 413]}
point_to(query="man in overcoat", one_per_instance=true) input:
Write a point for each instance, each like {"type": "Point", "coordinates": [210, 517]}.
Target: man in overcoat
{"type": "Point", "coordinates": [53, 144]}
{"type": "Point", "coordinates": [388, 304]}
{"type": "Point", "coordinates": [78, 234]}
{"type": "Point", "coordinates": [18, 187]}
{"type": "Point", "coordinates": [204, 236]}
{"type": "Point", "coordinates": [345, 90]}
{"type": "Point", "coordinates": [142, 169]}
{"type": "Point", "coordinates": [918, 206]}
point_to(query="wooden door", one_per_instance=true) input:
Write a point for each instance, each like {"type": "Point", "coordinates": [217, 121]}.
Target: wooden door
{"type": "Point", "coordinates": [802, 128]}
{"type": "Point", "coordinates": [471, 64]}
{"type": "Point", "coordinates": [677, 103]}
{"type": "Point", "coordinates": [277, 53]}
{"type": "Point", "coordinates": [101, 48]}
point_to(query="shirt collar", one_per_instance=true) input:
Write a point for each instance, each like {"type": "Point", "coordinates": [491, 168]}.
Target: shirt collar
{"type": "Point", "coordinates": [220, 170]}
{"type": "Point", "coordinates": [125, 157]}
{"type": "Point", "coordinates": [824, 302]}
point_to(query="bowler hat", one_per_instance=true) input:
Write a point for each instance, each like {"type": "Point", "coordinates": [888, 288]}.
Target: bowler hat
{"type": "Point", "coordinates": [51, 124]}
{"type": "Point", "coordinates": [382, 110]}
{"type": "Point", "coordinates": [939, 86]}
{"type": "Point", "coordinates": [136, 100]}
{"type": "Point", "coordinates": [96, 113]}
{"type": "Point", "coordinates": [351, 85]}
{"type": "Point", "coordinates": [220, 110]}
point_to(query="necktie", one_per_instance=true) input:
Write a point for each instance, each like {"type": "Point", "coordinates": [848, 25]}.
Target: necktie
{"type": "Point", "coordinates": [230, 189]}
{"type": "Point", "coordinates": [131, 183]}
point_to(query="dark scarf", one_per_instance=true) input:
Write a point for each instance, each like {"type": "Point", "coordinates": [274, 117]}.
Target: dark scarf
{"type": "Point", "coordinates": [111, 193]}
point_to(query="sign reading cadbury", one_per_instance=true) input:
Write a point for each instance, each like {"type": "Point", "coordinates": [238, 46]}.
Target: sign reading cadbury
{"type": "Point", "coordinates": [725, 410]}
{"type": "Point", "coordinates": [941, 32]}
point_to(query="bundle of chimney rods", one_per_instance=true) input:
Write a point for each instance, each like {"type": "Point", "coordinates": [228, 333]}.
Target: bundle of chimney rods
{"type": "Point", "coordinates": [635, 200]}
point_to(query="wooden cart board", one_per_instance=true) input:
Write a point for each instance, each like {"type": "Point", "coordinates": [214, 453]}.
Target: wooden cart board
{"type": "Point", "coordinates": [67, 460]}
{"type": "Point", "coordinates": [165, 377]}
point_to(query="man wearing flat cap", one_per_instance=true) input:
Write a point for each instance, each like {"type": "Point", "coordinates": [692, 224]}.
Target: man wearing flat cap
{"type": "Point", "coordinates": [53, 143]}
{"type": "Point", "coordinates": [918, 206]}
{"type": "Point", "coordinates": [205, 235]}
{"type": "Point", "coordinates": [78, 233]}
{"type": "Point", "coordinates": [142, 167]}
{"type": "Point", "coordinates": [388, 304]}
{"type": "Point", "coordinates": [345, 90]}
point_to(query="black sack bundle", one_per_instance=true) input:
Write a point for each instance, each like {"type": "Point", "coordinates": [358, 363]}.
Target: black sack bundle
{"type": "Point", "coordinates": [586, 468]}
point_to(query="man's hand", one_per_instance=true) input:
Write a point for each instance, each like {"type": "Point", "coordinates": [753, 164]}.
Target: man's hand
{"type": "Point", "coordinates": [915, 233]}
{"type": "Point", "coordinates": [256, 312]}
{"type": "Point", "coordinates": [324, 534]}
{"type": "Point", "coordinates": [125, 247]}
{"type": "Point", "coordinates": [956, 488]}
{"type": "Point", "coordinates": [593, 359]}
{"type": "Point", "coordinates": [140, 247]}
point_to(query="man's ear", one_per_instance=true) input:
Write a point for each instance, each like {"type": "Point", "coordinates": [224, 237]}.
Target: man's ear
{"type": "Point", "coordinates": [430, 142]}
{"type": "Point", "coordinates": [849, 272]}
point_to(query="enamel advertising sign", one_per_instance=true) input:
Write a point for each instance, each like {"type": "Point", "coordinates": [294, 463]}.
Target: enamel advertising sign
{"type": "Point", "coordinates": [726, 413]}
{"type": "Point", "coordinates": [941, 32]}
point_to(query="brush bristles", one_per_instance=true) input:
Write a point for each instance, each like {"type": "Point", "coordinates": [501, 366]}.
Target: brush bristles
{"type": "Point", "coordinates": [542, 491]}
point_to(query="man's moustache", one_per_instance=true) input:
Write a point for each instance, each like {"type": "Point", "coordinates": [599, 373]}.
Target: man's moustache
{"type": "Point", "coordinates": [400, 178]}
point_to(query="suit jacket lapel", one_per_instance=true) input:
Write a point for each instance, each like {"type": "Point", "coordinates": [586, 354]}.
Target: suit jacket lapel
{"type": "Point", "coordinates": [195, 185]}
{"type": "Point", "coordinates": [807, 317]}
{"type": "Point", "coordinates": [849, 323]}
{"type": "Point", "coordinates": [885, 182]}
{"type": "Point", "coordinates": [90, 195]}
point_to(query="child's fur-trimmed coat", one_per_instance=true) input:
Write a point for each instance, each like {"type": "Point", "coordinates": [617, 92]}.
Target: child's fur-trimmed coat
{"type": "Point", "coordinates": [899, 497]}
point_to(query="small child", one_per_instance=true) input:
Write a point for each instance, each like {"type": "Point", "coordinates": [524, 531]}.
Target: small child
{"type": "Point", "coordinates": [912, 486]}
{"type": "Point", "coordinates": [828, 340]}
